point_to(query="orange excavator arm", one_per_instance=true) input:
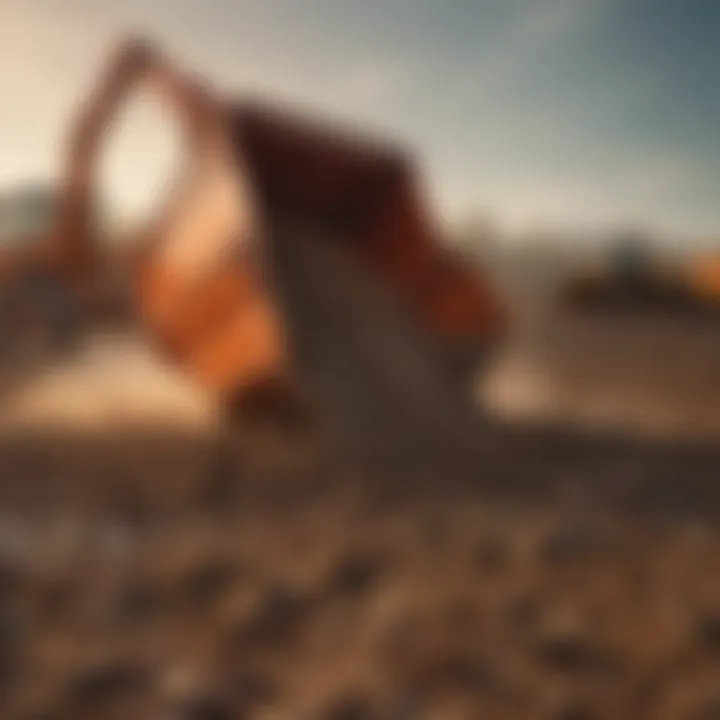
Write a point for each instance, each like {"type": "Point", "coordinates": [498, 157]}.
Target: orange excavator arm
{"type": "Point", "coordinates": [199, 280]}
{"type": "Point", "coordinates": [197, 285]}
{"type": "Point", "coordinates": [134, 65]}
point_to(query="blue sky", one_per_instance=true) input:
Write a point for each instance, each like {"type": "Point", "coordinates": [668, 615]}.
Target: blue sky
{"type": "Point", "coordinates": [562, 113]}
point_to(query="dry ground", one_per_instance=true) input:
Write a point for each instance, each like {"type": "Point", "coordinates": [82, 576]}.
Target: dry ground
{"type": "Point", "coordinates": [292, 585]}
{"type": "Point", "coordinates": [396, 556]}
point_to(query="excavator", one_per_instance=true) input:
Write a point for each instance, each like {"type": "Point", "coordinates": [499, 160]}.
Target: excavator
{"type": "Point", "coordinates": [198, 278]}
{"type": "Point", "coordinates": [633, 279]}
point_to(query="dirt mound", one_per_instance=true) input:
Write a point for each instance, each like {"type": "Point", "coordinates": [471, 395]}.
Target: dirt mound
{"type": "Point", "coordinates": [374, 374]}
{"type": "Point", "coordinates": [113, 383]}
{"type": "Point", "coordinates": [646, 375]}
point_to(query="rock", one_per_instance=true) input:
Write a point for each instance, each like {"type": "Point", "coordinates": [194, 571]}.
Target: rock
{"type": "Point", "coordinates": [355, 574]}
{"type": "Point", "coordinates": [466, 671]}
{"type": "Point", "coordinates": [252, 689]}
{"type": "Point", "coordinates": [13, 627]}
{"type": "Point", "coordinates": [707, 632]}
{"type": "Point", "coordinates": [139, 601]}
{"type": "Point", "coordinates": [571, 544]}
{"type": "Point", "coordinates": [709, 709]}
{"type": "Point", "coordinates": [207, 708]}
{"type": "Point", "coordinates": [12, 579]}
{"type": "Point", "coordinates": [277, 619]}
{"type": "Point", "coordinates": [523, 613]}
{"type": "Point", "coordinates": [355, 706]}
{"type": "Point", "coordinates": [575, 710]}
{"type": "Point", "coordinates": [205, 582]}
{"type": "Point", "coordinates": [572, 653]}
{"type": "Point", "coordinates": [106, 682]}
{"type": "Point", "coordinates": [349, 707]}
{"type": "Point", "coordinates": [491, 556]}
{"type": "Point", "coordinates": [442, 671]}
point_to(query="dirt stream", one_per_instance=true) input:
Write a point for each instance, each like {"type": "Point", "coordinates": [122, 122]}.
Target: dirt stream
{"type": "Point", "coordinates": [393, 554]}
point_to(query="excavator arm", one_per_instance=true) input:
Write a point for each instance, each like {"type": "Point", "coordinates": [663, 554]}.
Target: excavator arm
{"type": "Point", "coordinates": [199, 276]}
{"type": "Point", "coordinates": [135, 65]}
{"type": "Point", "coordinates": [197, 284]}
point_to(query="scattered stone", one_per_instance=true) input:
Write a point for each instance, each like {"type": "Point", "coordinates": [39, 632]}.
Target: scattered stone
{"type": "Point", "coordinates": [576, 710]}
{"type": "Point", "coordinates": [492, 557]}
{"type": "Point", "coordinates": [13, 625]}
{"type": "Point", "coordinates": [523, 613]}
{"type": "Point", "coordinates": [467, 672]}
{"type": "Point", "coordinates": [460, 616]}
{"type": "Point", "coordinates": [278, 618]}
{"type": "Point", "coordinates": [106, 682]}
{"type": "Point", "coordinates": [707, 632]}
{"type": "Point", "coordinates": [139, 601]}
{"type": "Point", "coordinates": [40, 715]}
{"type": "Point", "coordinates": [12, 579]}
{"type": "Point", "coordinates": [207, 708]}
{"type": "Point", "coordinates": [10, 672]}
{"type": "Point", "coordinates": [355, 574]}
{"type": "Point", "coordinates": [350, 707]}
{"type": "Point", "coordinates": [449, 670]}
{"type": "Point", "coordinates": [570, 545]}
{"type": "Point", "coordinates": [58, 599]}
{"type": "Point", "coordinates": [708, 709]}
{"type": "Point", "coordinates": [572, 653]}
{"type": "Point", "coordinates": [205, 582]}
{"type": "Point", "coordinates": [252, 689]}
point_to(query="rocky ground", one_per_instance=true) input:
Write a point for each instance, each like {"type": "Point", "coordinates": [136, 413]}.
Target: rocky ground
{"type": "Point", "coordinates": [289, 585]}
{"type": "Point", "coordinates": [397, 556]}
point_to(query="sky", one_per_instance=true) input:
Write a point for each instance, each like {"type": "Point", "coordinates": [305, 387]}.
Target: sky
{"type": "Point", "coordinates": [571, 114]}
